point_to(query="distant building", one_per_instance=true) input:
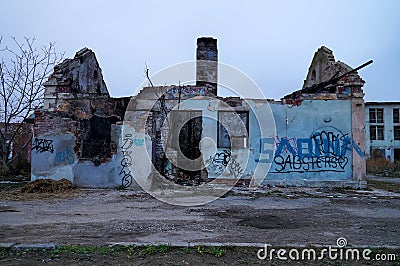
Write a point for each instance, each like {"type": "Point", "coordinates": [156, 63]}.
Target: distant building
{"type": "Point", "coordinates": [18, 139]}
{"type": "Point", "coordinates": [382, 130]}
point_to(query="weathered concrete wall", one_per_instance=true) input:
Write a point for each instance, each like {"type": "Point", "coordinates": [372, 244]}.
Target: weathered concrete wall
{"type": "Point", "coordinates": [53, 157]}
{"type": "Point", "coordinates": [313, 144]}
{"type": "Point", "coordinates": [358, 140]}
{"type": "Point", "coordinates": [317, 142]}
{"type": "Point", "coordinates": [92, 174]}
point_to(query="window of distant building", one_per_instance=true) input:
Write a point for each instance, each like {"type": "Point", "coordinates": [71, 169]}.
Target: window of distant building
{"type": "Point", "coordinates": [376, 128]}
{"type": "Point", "coordinates": [377, 153]}
{"type": "Point", "coordinates": [396, 122]}
{"type": "Point", "coordinates": [396, 155]}
{"type": "Point", "coordinates": [376, 115]}
{"type": "Point", "coordinates": [396, 118]}
{"type": "Point", "coordinates": [376, 132]}
{"type": "Point", "coordinates": [396, 132]}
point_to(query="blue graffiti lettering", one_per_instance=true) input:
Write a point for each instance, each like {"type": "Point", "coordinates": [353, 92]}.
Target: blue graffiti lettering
{"type": "Point", "coordinates": [323, 151]}
{"type": "Point", "coordinates": [358, 149]}
{"type": "Point", "coordinates": [266, 148]}
{"type": "Point", "coordinates": [65, 157]}
{"type": "Point", "coordinates": [138, 142]}
{"type": "Point", "coordinates": [304, 150]}
{"type": "Point", "coordinates": [284, 145]}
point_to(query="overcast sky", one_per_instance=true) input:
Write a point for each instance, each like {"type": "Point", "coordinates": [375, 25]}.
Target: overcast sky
{"type": "Point", "coordinates": [271, 41]}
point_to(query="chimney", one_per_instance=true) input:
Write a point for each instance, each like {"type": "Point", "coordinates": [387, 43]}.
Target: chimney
{"type": "Point", "coordinates": [207, 64]}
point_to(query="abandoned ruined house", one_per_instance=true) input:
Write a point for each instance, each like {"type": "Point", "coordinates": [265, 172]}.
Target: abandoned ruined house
{"type": "Point", "coordinates": [312, 137]}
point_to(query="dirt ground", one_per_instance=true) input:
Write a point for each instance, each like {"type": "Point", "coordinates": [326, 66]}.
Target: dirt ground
{"type": "Point", "coordinates": [280, 217]}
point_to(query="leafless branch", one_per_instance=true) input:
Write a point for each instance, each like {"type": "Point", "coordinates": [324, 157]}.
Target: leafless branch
{"type": "Point", "coordinates": [23, 70]}
{"type": "Point", "coordinates": [146, 71]}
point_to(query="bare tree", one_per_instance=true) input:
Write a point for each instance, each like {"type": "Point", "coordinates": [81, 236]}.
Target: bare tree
{"type": "Point", "coordinates": [23, 70]}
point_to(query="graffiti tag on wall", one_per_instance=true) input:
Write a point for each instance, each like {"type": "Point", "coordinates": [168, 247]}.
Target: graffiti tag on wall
{"type": "Point", "coordinates": [222, 160]}
{"type": "Point", "coordinates": [43, 145]}
{"type": "Point", "coordinates": [126, 161]}
{"type": "Point", "coordinates": [186, 91]}
{"type": "Point", "coordinates": [65, 157]}
{"type": "Point", "coordinates": [323, 151]}
{"type": "Point", "coordinates": [218, 163]}
{"type": "Point", "coordinates": [138, 142]}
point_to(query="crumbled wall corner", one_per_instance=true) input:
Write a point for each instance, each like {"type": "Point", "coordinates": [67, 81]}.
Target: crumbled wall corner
{"type": "Point", "coordinates": [77, 103]}
{"type": "Point", "coordinates": [325, 75]}
{"type": "Point", "coordinates": [293, 102]}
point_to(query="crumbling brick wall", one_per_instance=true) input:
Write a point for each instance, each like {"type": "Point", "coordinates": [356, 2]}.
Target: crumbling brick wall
{"type": "Point", "coordinates": [77, 117]}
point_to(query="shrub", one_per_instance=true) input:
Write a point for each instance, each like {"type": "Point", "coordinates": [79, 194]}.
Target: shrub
{"type": "Point", "coordinates": [383, 167]}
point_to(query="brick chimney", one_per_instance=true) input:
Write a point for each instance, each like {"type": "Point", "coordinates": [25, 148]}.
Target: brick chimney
{"type": "Point", "coordinates": [207, 63]}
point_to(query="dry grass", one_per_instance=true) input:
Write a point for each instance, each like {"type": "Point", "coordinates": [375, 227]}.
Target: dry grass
{"type": "Point", "coordinates": [47, 186]}
{"type": "Point", "coordinates": [387, 186]}
{"type": "Point", "coordinates": [383, 167]}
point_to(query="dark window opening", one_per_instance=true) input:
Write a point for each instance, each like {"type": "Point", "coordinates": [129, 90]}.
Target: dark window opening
{"type": "Point", "coordinates": [96, 137]}
{"type": "Point", "coordinates": [189, 138]}
{"type": "Point", "coordinates": [313, 75]}
{"type": "Point", "coordinates": [377, 153]}
{"type": "Point", "coordinates": [396, 118]}
{"type": "Point", "coordinates": [376, 132]}
{"type": "Point", "coordinates": [396, 132]}
{"type": "Point", "coordinates": [235, 124]}
{"type": "Point", "coordinates": [186, 128]}
{"type": "Point", "coordinates": [376, 115]}
{"type": "Point", "coordinates": [396, 155]}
